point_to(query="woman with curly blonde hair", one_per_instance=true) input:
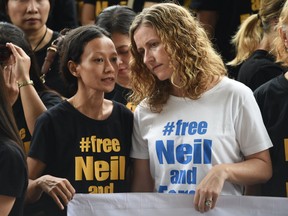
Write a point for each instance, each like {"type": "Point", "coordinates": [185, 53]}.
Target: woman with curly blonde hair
{"type": "Point", "coordinates": [189, 76]}
{"type": "Point", "coordinates": [195, 130]}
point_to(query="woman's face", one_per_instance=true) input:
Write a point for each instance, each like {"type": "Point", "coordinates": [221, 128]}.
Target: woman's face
{"type": "Point", "coordinates": [122, 43]}
{"type": "Point", "coordinates": [152, 50]}
{"type": "Point", "coordinates": [29, 15]}
{"type": "Point", "coordinates": [99, 64]}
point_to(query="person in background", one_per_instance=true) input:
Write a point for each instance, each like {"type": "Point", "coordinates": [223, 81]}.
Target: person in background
{"type": "Point", "coordinates": [31, 16]}
{"type": "Point", "coordinates": [13, 168]}
{"type": "Point", "coordinates": [92, 8]}
{"type": "Point", "coordinates": [179, 82]}
{"type": "Point", "coordinates": [221, 19]}
{"type": "Point", "coordinates": [138, 5]}
{"type": "Point", "coordinates": [63, 14]}
{"type": "Point", "coordinates": [272, 98]}
{"type": "Point", "coordinates": [31, 97]}
{"type": "Point", "coordinates": [85, 141]}
{"type": "Point", "coordinates": [117, 20]}
{"type": "Point", "coordinates": [253, 43]}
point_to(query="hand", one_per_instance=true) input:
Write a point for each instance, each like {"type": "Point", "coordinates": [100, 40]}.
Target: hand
{"type": "Point", "coordinates": [22, 63]}
{"type": "Point", "coordinates": [59, 189]}
{"type": "Point", "coordinates": [208, 190]}
{"type": "Point", "coordinates": [11, 84]}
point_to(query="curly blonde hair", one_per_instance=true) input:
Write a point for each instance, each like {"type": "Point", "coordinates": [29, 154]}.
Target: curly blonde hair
{"type": "Point", "coordinates": [279, 43]}
{"type": "Point", "coordinates": [186, 42]}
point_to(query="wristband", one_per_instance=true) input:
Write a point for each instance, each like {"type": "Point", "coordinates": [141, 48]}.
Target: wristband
{"type": "Point", "coordinates": [25, 83]}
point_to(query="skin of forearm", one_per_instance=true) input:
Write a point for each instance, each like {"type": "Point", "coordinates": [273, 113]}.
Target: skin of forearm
{"type": "Point", "coordinates": [32, 106]}
{"type": "Point", "coordinates": [248, 172]}
{"type": "Point", "coordinates": [34, 191]}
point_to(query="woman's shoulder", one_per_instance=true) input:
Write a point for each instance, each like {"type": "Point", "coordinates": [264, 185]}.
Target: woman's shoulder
{"type": "Point", "coordinates": [230, 86]}
{"type": "Point", "coordinates": [50, 98]}
{"type": "Point", "coordinates": [59, 110]}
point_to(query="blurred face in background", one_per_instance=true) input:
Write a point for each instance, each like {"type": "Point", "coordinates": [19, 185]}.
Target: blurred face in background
{"type": "Point", "coordinates": [122, 43]}
{"type": "Point", "coordinates": [29, 15]}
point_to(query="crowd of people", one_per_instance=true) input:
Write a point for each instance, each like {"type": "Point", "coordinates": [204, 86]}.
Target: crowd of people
{"type": "Point", "coordinates": [141, 96]}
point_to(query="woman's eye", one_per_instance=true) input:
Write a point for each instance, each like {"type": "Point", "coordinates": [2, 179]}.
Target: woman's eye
{"type": "Point", "coordinates": [154, 44]}
{"type": "Point", "coordinates": [124, 52]}
{"type": "Point", "coordinates": [99, 60]}
{"type": "Point", "coordinates": [114, 59]}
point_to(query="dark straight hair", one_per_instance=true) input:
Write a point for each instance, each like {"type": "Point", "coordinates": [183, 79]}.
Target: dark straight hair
{"type": "Point", "coordinates": [13, 34]}
{"type": "Point", "coordinates": [116, 19]}
{"type": "Point", "coordinates": [8, 126]}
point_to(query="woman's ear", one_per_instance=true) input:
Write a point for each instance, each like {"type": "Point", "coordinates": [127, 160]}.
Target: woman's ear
{"type": "Point", "coordinates": [73, 68]}
{"type": "Point", "coordinates": [283, 35]}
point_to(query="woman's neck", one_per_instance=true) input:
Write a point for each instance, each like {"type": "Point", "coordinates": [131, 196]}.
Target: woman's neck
{"type": "Point", "coordinates": [267, 40]}
{"type": "Point", "coordinates": [94, 106]}
{"type": "Point", "coordinates": [124, 82]}
{"type": "Point", "coordinates": [39, 39]}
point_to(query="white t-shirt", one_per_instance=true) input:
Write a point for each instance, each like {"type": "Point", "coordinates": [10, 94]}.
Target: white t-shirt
{"type": "Point", "coordinates": [189, 136]}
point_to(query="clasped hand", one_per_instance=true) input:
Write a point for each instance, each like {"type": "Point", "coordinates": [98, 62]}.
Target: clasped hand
{"type": "Point", "coordinates": [59, 189]}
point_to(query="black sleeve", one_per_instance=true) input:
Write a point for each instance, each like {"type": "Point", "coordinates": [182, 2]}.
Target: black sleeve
{"type": "Point", "coordinates": [50, 99]}
{"type": "Point", "coordinates": [265, 73]}
{"type": "Point", "coordinates": [13, 171]}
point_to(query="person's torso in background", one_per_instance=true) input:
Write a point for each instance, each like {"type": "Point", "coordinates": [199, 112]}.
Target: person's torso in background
{"type": "Point", "coordinates": [137, 5]}
{"type": "Point", "coordinates": [231, 14]}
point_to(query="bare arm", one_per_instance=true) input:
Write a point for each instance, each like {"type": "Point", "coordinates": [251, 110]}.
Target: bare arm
{"type": "Point", "coordinates": [59, 189]}
{"type": "Point", "coordinates": [32, 105]}
{"type": "Point", "coordinates": [35, 169]}
{"type": "Point", "coordinates": [142, 179]}
{"type": "Point", "coordinates": [6, 204]}
{"type": "Point", "coordinates": [255, 169]}
{"type": "Point", "coordinates": [31, 102]}
{"type": "Point", "coordinates": [88, 14]}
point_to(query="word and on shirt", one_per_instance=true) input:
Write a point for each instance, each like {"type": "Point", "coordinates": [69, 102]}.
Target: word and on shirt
{"type": "Point", "coordinates": [197, 152]}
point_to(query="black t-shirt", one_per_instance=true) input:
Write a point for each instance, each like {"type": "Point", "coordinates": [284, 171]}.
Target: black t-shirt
{"type": "Point", "coordinates": [231, 14]}
{"type": "Point", "coordinates": [109, 2]}
{"type": "Point", "coordinates": [259, 68]}
{"type": "Point", "coordinates": [63, 14]}
{"type": "Point", "coordinates": [272, 98]}
{"type": "Point", "coordinates": [48, 98]}
{"type": "Point", "coordinates": [101, 5]}
{"type": "Point", "coordinates": [137, 5]}
{"type": "Point", "coordinates": [13, 174]}
{"type": "Point", "coordinates": [92, 154]}
{"type": "Point", "coordinates": [120, 94]}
